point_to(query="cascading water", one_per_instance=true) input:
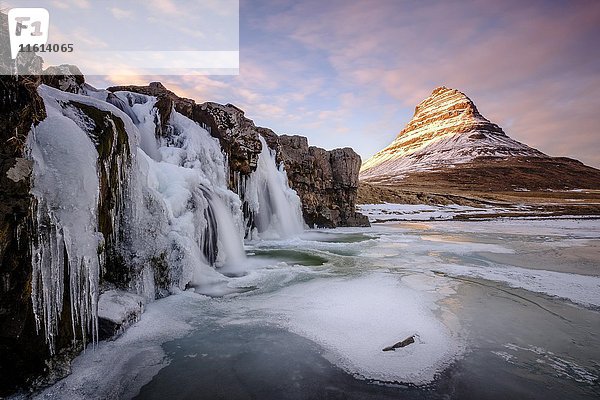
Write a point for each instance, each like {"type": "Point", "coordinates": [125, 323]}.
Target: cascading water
{"type": "Point", "coordinates": [189, 152]}
{"type": "Point", "coordinates": [228, 234]}
{"type": "Point", "coordinates": [275, 207]}
{"type": "Point", "coordinates": [173, 221]}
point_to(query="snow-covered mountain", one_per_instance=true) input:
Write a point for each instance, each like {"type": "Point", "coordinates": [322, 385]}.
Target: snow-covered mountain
{"type": "Point", "coordinates": [446, 130]}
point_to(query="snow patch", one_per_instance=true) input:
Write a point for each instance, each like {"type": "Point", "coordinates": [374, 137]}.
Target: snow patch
{"type": "Point", "coordinates": [119, 307]}
{"type": "Point", "coordinates": [420, 212]}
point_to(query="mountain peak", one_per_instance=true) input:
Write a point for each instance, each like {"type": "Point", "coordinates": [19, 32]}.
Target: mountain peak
{"type": "Point", "coordinates": [446, 129]}
{"type": "Point", "coordinates": [447, 99]}
{"type": "Point", "coordinates": [441, 89]}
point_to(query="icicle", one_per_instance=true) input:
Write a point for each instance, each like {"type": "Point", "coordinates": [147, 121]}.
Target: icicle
{"type": "Point", "coordinates": [66, 189]}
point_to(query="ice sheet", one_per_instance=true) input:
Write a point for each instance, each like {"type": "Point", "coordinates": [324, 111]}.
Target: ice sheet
{"type": "Point", "coordinates": [354, 319]}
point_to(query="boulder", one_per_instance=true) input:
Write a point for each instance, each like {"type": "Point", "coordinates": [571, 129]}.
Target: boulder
{"type": "Point", "coordinates": [67, 78]}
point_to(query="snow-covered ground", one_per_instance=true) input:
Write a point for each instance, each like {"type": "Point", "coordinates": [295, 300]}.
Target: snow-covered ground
{"type": "Point", "coordinates": [387, 212]}
{"type": "Point", "coordinates": [420, 212]}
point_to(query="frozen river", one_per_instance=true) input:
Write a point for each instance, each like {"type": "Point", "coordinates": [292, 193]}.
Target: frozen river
{"type": "Point", "coordinates": [498, 309]}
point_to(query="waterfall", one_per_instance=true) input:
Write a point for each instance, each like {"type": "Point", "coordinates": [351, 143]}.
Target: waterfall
{"type": "Point", "coordinates": [158, 206]}
{"type": "Point", "coordinates": [187, 187]}
{"type": "Point", "coordinates": [228, 232]}
{"type": "Point", "coordinates": [275, 207]}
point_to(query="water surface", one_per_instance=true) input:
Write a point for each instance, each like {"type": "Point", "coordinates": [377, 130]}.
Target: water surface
{"type": "Point", "coordinates": [500, 309]}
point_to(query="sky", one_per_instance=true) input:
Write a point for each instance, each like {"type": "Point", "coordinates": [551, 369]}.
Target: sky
{"type": "Point", "coordinates": [350, 72]}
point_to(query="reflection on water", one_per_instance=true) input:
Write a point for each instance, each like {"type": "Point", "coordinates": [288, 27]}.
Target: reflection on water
{"type": "Point", "coordinates": [290, 257]}
{"type": "Point", "coordinates": [253, 362]}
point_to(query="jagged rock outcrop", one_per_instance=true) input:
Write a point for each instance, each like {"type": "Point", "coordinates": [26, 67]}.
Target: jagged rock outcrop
{"type": "Point", "coordinates": [448, 142]}
{"type": "Point", "coordinates": [326, 181]}
{"type": "Point", "coordinates": [67, 78]}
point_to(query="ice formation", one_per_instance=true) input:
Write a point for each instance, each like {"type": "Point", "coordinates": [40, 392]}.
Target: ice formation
{"type": "Point", "coordinates": [354, 317]}
{"type": "Point", "coordinates": [65, 222]}
{"type": "Point", "coordinates": [276, 208]}
{"type": "Point", "coordinates": [165, 195]}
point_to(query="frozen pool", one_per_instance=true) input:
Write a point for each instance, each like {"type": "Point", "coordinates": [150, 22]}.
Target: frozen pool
{"type": "Point", "coordinates": [498, 309]}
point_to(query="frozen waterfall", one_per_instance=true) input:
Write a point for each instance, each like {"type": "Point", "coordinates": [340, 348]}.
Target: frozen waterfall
{"type": "Point", "coordinates": [276, 207]}
{"type": "Point", "coordinates": [172, 220]}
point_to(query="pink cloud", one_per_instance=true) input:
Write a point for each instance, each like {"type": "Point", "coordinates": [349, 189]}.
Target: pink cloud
{"type": "Point", "coordinates": [531, 67]}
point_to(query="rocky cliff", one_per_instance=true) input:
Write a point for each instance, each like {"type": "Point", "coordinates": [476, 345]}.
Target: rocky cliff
{"type": "Point", "coordinates": [326, 181]}
{"type": "Point", "coordinates": [25, 349]}
{"type": "Point", "coordinates": [20, 108]}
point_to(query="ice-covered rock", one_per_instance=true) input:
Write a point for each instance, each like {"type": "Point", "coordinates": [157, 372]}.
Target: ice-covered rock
{"type": "Point", "coordinates": [114, 198]}
{"type": "Point", "coordinates": [117, 310]}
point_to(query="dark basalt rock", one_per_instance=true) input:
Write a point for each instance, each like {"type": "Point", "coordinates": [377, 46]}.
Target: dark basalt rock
{"type": "Point", "coordinates": [399, 345]}
{"type": "Point", "coordinates": [21, 349]}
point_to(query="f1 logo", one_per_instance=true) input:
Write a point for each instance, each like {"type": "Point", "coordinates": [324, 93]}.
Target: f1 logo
{"type": "Point", "coordinates": [27, 26]}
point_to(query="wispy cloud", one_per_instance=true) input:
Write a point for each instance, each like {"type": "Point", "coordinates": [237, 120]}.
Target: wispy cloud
{"type": "Point", "coordinates": [349, 72]}
{"type": "Point", "coordinates": [537, 57]}
{"type": "Point", "coordinates": [65, 4]}
{"type": "Point", "coordinates": [168, 7]}
{"type": "Point", "coordinates": [120, 13]}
